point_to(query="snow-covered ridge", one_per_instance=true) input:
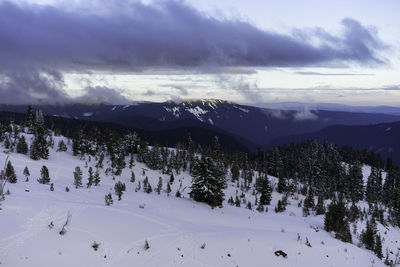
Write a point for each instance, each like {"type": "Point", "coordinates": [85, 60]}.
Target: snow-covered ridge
{"type": "Point", "coordinates": [180, 232]}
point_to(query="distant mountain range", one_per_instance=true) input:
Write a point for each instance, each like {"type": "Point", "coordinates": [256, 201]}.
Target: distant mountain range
{"type": "Point", "coordinates": [246, 126]}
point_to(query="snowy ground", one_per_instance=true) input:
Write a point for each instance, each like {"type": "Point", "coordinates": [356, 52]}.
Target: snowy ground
{"type": "Point", "coordinates": [175, 228]}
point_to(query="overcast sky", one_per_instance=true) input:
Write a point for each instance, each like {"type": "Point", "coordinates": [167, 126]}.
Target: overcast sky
{"type": "Point", "coordinates": [253, 52]}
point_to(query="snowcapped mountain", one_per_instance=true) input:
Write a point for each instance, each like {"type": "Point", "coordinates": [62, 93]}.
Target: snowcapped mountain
{"type": "Point", "coordinates": [258, 125]}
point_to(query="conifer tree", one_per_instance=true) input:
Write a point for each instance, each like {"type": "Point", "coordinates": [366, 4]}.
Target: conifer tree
{"type": "Point", "coordinates": [320, 208]}
{"type": "Point", "coordinates": [44, 175]}
{"type": "Point", "coordinates": [336, 220]}
{"type": "Point", "coordinates": [90, 178]}
{"type": "Point", "coordinates": [208, 182]}
{"type": "Point", "coordinates": [119, 188]}
{"type": "Point", "coordinates": [26, 174]}
{"type": "Point", "coordinates": [10, 173]}
{"type": "Point", "coordinates": [368, 235]}
{"type": "Point", "coordinates": [62, 147]}
{"type": "Point", "coordinates": [356, 183]}
{"type": "Point", "coordinates": [171, 178]}
{"type": "Point", "coordinates": [96, 177]}
{"type": "Point", "coordinates": [22, 146]}
{"type": "Point", "coordinates": [132, 177]}
{"type": "Point", "coordinates": [168, 189]}
{"type": "Point", "coordinates": [309, 200]}
{"type": "Point", "coordinates": [77, 177]}
{"type": "Point", "coordinates": [378, 247]}
{"type": "Point", "coordinates": [263, 186]}
{"type": "Point", "coordinates": [159, 186]}
{"type": "Point", "coordinates": [108, 199]}
{"type": "Point", "coordinates": [39, 148]}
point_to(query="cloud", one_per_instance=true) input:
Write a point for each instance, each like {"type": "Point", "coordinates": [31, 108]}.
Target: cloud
{"type": "Point", "coordinates": [130, 36]}
{"type": "Point", "coordinates": [101, 94]}
{"type": "Point", "coordinates": [305, 114]}
{"type": "Point", "coordinates": [242, 85]}
{"type": "Point", "coordinates": [31, 86]}
{"type": "Point", "coordinates": [332, 74]}
{"type": "Point", "coordinates": [39, 42]}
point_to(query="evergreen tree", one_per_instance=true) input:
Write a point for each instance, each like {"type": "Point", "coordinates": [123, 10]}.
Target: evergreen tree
{"type": "Point", "coordinates": [39, 147]}
{"type": "Point", "coordinates": [378, 247]}
{"type": "Point", "coordinates": [10, 173]}
{"type": "Point", "coordinates": [77, 177]}
{"type": "Point", "coordinates": [26, 174]}
{"type": "Point", "coordinates": [320, 208]}
{"type": "Point", "coordinates": [119, 188]}
{"type": "Point", "coordinates": [168, 189]}
{"type": "Point", "coordinates": [368, 235]}
{"type": "Point", "coordinates": [335, 220]}
{"type": "Point", "coordinates": [90, 178]}
{"type": "Point", "coordinates": [309, 200]}
{"type": "Point", "coordinates": [62, 147]}
{"type": "Point", "coordinates": [22, 146]}
{"type": "Point", "coordinates": [263, 186]}
{"type": "Point", "coordinates": [108, 199]}
{"type": "Point", "coordinates": [132, 177]}
{"type": "Point", "coordinates": [96, 178]}
{"type": "Point", "coordinates": [171, 178]}
{"type": "Point", "coordinates": [355, 183]}
{"type": "Point", "coordinates": [281, 185]}
{"type": "Point", "coordinates": [235, 171]}
{"type": "Point", "coordinates": [159, 186]}
{"type": "Point", "coordinates": [374, 186]}
{"type": "Point", "coordinates": [208, 182]}
{"type": "Point", "coordinates": [44, 175]}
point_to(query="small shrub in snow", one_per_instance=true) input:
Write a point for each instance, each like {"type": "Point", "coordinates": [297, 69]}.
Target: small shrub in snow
{"type": "Point", "coordinates": [51, 187]}
{"type": "Point", "coordinates": [95, 245]}
{"type": "Point", "coordinates": [146, 245]}
{"type": "Point", "coordinates": [108, 199]}
{"type": "Point", "coordinates": [203, 246]}
{"type": "Point", "coordinates": [66, 189]}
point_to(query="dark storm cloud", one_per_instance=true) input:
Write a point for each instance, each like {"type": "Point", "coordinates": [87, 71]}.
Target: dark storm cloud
{"type": "Point", "coordinates": [130, 36]}
{"type": "Point", "coordinates": [170, 34]}
{"type": "Point", "coordinates": [101, 94]}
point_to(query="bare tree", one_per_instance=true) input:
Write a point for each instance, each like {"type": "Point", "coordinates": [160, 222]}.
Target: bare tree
{"type": "Point", "coordinates": [64, 230]}
{"type": "Point", "coordinates": [3, 180]}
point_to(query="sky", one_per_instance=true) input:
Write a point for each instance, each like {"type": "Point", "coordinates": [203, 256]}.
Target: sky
{"type": "Point", "coordinates": [252, 52]}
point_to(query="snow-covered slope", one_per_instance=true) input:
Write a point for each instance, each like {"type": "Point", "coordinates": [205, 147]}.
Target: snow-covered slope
{"type": "Point", "coordinates": [175, 228]}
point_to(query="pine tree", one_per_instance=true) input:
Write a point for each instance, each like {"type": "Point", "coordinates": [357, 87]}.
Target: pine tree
{"type": "Point", "coordinates": [39, 147]}
{"type": "Point", "coordinates": [22, 146]}
{"type": "Point", "coordinates": [281, 185]}
{"type": "Point", "coordinates": [62, 147]}
{"type": "Point", "coordinates": [171, 178]}
{"type": "Point", "coordinates": [90, 178]}
{"type": "Point", "coordinates": [378, 247]}
{"type": "Point", "coordinates": [309, 200]}
{"type": "Point", "coordinates": [356, 183]}
{"type": "Point", "coordinates": [320, 208]}
{"type": "Point", "coordinates": [237, 202]}
{"type": "Point", "coordinates": [368, 235]}
{"type": "Point", "coordinates": [208, 182]}
{"type": "Point", "coordinates": [159, 186]}
{"type": "Point", "coordinates": [96, 177]}
{"type": "Point", "coordinates": [168, 189]}
{"type": "Point", "coordinates": [108, 199]}
{"type": "Point", "coordinates": [119, 188]}
{"type": "Point", "coordinates": [336, 220]}
{"type": "Point", "coordinates": [77, 177]}
{"type": "Point", "coordinates": [132, 177]}
{"type": "Point", "coordinates": [26, 174]}
{"type": "Point", "coordinates": [10, 173]}
{"type": "Point", "coordinates": [263, 186]}
{"type": "Point", "coordinates": [44, 175]}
